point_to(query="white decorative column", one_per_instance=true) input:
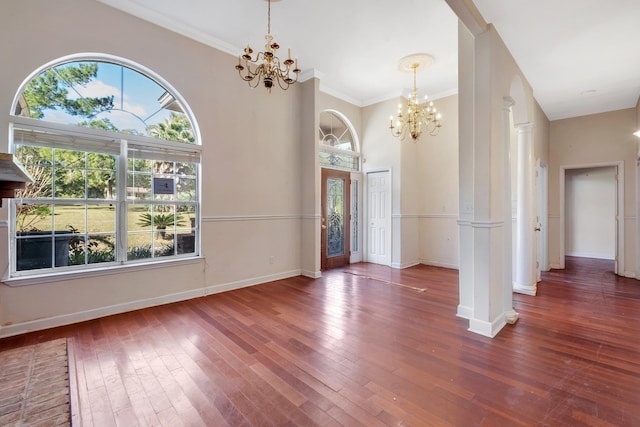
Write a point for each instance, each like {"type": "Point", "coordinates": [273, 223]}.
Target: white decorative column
{"type": "Point", "coordinates": [525, 279]}
{"type": "Point", "coordinates": [511, 316]}
{"type": "Point", "coordinates": [482, 160]}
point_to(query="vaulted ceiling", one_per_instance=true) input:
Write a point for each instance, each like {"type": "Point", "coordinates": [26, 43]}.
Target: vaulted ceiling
{"type": "Point", "coordinates": [580, 56]}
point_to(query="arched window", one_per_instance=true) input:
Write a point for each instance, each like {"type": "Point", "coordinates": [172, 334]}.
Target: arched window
{"type": "Point", "coordinates": [338, 149]}
{"type": "Point", "coordinates": [338, 145]}
{"type": "Point", "coordinates": [115, 157]}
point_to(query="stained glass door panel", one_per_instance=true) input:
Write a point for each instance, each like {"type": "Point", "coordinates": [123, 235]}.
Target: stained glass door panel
{"type": "Point", "coordinates": [335, 218]}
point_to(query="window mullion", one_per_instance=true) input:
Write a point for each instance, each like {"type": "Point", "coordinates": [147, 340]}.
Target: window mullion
{"type": "Point", "coordinates": [121, 197]}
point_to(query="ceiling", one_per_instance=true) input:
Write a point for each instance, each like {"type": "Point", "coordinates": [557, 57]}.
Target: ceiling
{"type": "Point", "coordinates": [580, 56]}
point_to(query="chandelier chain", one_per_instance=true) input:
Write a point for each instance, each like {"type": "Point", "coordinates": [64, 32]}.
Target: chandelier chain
{"type": "Point", "coordinates": [269, 18]}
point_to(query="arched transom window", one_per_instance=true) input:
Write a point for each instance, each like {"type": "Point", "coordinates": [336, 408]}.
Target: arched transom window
{"type": "Point", "coordinates": [338, 146]}
{"type": "Point", "coordinates": [115, 158]}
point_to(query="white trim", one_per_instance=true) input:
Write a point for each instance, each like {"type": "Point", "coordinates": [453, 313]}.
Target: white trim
{"type": "Point", "coordinates": [311, 216]}
{"type": "Point", "coordinates": [4, 223]}
{"type": "Point", "coordinates": [102, 57]}
{"type": "Point", "coordinates": [64, 130]}
{"type": "Point", "coordinates": [525, 289]}
{"type": "Point", "coordinates": [480, 224]}
{"type": "Point", "coordinates": [67, 319]}
{"type": "Point", "coordinates": [357, 152]}
{"type": "Point", "coordinates": [231, 286]}
{"type": "Point", "coordinates": [311, 274]}
{"type": "Point", "coordinates": [488, 329]}
{"type": "Point", "coordinates": [439, 264]}
{"type": "Point", "coordinates": [438, 216]}
{"type": "Point", "coordinates": [59, 276]}
{"type": "Point", "coordinates": [464, 312]}
{"type": "Point", "coordinates": [254, 218]}
{"type": "Point", "coordinates": [400, 266]}
{"type": "Point", "coordinates": [398, 94]}
{"type": "Point", "coordinates": [432, 216]}
{"type": "Point", "coordinates": [338, 94]}
{"type": "Point", "coordinates": [171, 24]}
{"type": "Point", "coordinates": [590, 255]}
{"type": "Point", "coordinates": [620, 252]}
{"type": "Point", "coordinates": [191, 152]}
{"type": "Point", "coordinates": [405, 216]}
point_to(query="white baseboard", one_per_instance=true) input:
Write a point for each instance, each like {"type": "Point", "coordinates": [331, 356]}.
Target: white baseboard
{"type": "Point", "coordinates": [588, 255]}
{"type": "Point", "coordinates": [488, 329]}
{"type": "Point", "coordinates": [399, 266]}
{"type": "Point", "coordinates": [464, 312]}
{"type": "Point", "coordinates": [312, 274]}
{"type": "Point", "coordinates": [531, 290]}
{"type": "Point", "coordinates": [439, 264]}
{"type": "Point", "coordinates": [224, 287]}
{"type": "Point", "coordinates": [67, 319]}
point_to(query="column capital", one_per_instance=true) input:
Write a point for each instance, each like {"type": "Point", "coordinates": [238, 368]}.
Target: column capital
{"type": "Point", "coordinates": [524, 127]}
{"type": "Point", "coordinates": [507, 103]}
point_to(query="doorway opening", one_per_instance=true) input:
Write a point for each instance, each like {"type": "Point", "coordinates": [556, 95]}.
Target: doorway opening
{"type": "Point", "coordinates": [592, 198]}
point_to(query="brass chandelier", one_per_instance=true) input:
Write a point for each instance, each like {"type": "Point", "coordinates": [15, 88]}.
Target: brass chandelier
{"type": "Point", "coordinates": [266, 66]}
{"type": "Point", "coordinates": [420, 116]}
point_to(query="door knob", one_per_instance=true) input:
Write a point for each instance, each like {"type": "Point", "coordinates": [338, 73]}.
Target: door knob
{"type": "Point", "coordinates": [537, 229]}
{"type": "Point", "coordinates": [323, 226]}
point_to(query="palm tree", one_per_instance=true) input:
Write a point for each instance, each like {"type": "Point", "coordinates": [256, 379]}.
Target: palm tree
{"type": "Point", "coordinates": [175, 128]}
{"type": "Point", "coordinates": [160, 221]}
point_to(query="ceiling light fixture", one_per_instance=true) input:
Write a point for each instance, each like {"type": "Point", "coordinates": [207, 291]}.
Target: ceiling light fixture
{"type": "Point", "coordinates": [267, 66]}
{"type": "Point", "coordinates": [420, 116]}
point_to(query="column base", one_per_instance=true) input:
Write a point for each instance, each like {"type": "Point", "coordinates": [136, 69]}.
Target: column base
{"type": "Point", "coordinates": [511, 317]}
{"type": "Point", "coordinates": [464, 312]}
{"type": "Point", "coordinates": [525, 289]}
{"type": "Point", "coordinates": [488, 329]}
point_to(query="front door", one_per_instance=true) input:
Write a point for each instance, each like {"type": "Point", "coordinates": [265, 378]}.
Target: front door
{"type": "Point", "coordinates": [336, 212]}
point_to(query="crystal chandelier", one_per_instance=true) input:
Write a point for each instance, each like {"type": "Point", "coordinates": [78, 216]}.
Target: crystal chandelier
{"type": "Point", "coordinates": [267, 66]}
{"type": "Point", "coordinates": [420, 116]}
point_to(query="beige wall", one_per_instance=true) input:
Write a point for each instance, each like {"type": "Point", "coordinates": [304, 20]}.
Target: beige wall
{"type": "Point", "coordinates": [638, 114]}
{"type": "Point", "coordinates": [592, 140]}
{"type": "Point", "coordinates": [424, 177]}
{"type": "Point", "coordinates": [381, 151]}
{"type": "Point", "coordinates": [251, 192]}
{"type": "Point", "coordinates": [438, 194]}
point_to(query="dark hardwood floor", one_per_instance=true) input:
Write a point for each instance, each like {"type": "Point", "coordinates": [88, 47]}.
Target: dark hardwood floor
{"type": "Point", "coordinates": [366, 346]}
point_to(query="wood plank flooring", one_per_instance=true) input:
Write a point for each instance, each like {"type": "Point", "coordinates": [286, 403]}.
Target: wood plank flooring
{"type": "Point", "coordinates": [366, 346]}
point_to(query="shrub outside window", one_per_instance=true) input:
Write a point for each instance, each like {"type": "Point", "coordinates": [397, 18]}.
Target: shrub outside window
{"type": "Point", "coordinates": [116, 170]}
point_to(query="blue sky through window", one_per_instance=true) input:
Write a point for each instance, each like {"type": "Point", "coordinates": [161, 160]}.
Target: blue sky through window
{"type": "Point", "coordinates": [136, 98]}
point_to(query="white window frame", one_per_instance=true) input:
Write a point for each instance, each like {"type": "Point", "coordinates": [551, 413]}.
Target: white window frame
{"type": "Point", "coordinates": [355, 153]}
{"type": "Point", "coordinates": [82, 139]}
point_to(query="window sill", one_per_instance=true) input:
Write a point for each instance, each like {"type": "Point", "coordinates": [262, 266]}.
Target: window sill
{"type": "Point", "coordinates": [49, 277]}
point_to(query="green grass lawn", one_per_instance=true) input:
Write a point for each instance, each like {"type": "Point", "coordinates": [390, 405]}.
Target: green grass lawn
{"type": "Point", "coordinates": [99, 219]}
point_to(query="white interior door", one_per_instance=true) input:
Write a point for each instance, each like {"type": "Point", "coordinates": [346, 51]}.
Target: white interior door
{"type": "Point", "coordinates": [542, 262]}
{"type": "Point", "coordinates": [379, 218]}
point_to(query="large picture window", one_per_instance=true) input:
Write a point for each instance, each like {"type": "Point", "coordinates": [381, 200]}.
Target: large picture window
{"type": "Point", "coordinates": [116, 163]}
